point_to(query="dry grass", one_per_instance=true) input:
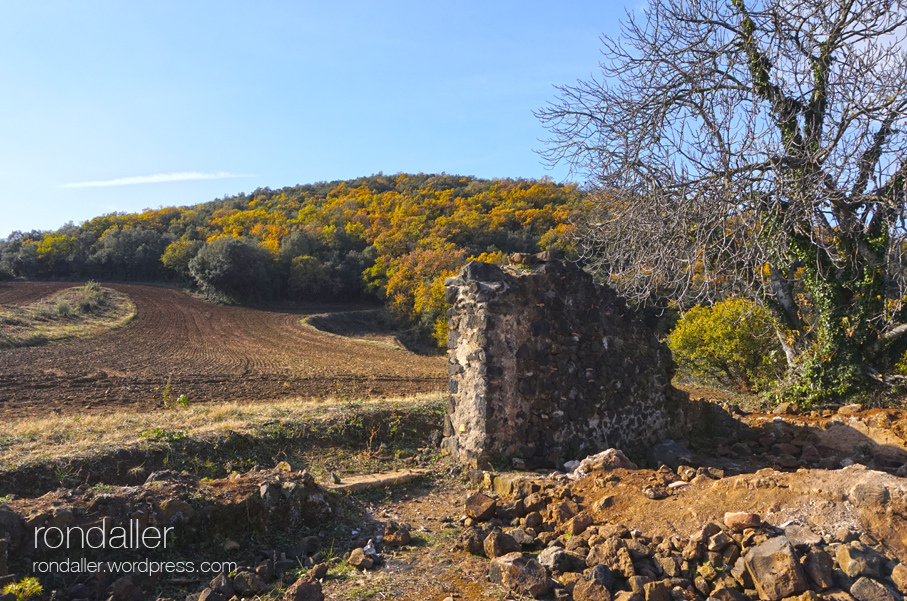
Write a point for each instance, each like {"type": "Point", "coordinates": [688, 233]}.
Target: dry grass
{"type": "Point", "coordinates": [28, 440]}
{"type": "Point", "coordinates": [76, 312]}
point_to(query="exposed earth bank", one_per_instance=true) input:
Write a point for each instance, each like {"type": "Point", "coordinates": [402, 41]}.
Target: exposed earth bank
{"type": "Point", "coordinates": [460, 534]}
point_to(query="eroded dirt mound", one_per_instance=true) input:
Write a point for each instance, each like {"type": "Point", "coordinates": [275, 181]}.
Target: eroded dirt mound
{"type": "Point", "coordinates": [173, 517]}
{"type": "Point", "coordinates": [208, 352]}
{"type": "Point", "coordinates": [255, 533]}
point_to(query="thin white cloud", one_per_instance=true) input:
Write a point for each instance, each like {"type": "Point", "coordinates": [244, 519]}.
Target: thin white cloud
{"type": "Point", "coordinates": [160, 178]}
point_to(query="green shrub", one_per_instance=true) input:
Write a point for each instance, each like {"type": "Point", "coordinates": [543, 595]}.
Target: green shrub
{"type": "Point", "coordinates": [25, 589]}
{"type": "Point", "coordinates": [63, 309]}
{"type": "Point", "coordinates": [89, 297]}
{"type": "Point", "coordinates": [731, 343]}
{"type": "Point", "coordinates": [233, 268]}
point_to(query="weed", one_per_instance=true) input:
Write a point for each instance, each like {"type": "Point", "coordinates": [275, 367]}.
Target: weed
{"type": "Point", "coordinates": [102, 488]}
{"type": "Point", "coordinates": [330, 555]}
{"type": "Point", "coordinates": [183, 401]}
{"type": "Point", "coordinates": [62, 475]}
{"type": "Point", "coordinates": [166, 395]}
{"type": "Point", "coordinates": [137, 472]}
{"type": "Point", "coordinates": [500, 462]}
{"type": "Point", "coordinates": [63, 309]}
{"type": "Point", "coordinates": [25, 589]}
{"type": "Point", "coordinates": [163, 435]}
{"type": "Point", "coordinates": [863, 450]}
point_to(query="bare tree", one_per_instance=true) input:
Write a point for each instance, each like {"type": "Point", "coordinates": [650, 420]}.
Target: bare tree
{"type": "Point", "coordinates": [755, 151]}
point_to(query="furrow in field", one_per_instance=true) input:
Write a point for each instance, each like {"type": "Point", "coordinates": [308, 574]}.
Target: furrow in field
{"type": "Point", "coordinates": [209, 352]}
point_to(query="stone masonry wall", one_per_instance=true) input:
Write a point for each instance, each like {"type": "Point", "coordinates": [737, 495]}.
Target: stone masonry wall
{"type": "Point", "coordinates": [547, 366]}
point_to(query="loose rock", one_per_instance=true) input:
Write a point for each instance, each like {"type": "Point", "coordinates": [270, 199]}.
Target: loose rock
{"type": "Point", "coordinates": [249, 583]}
{"type": "Point", "coordinates": [742, 520]}
{"type": "Point", "coordinates": [856, 559]}
{"type": "Point", "coordinates": [359, 559]}
{"type": "Point", "coordinates": [480, 507]}
{"type": "Point", "coordinates": [867, 589]}
{"type": "Point", "coordinates": [499, 543]}
{"type": "Point", "coordinates": [304, 589]}
{"type": "Point", "coordinates": [775, 570]}
{"type": "Point", "coordinates": [516, 572]}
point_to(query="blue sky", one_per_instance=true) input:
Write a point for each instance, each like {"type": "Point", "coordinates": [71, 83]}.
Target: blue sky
{"type": "Point", "coordinates": [123, 105]}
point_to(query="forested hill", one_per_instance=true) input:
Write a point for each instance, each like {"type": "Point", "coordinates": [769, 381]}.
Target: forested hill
{"type": "Point", "coordinates": [395, 237]}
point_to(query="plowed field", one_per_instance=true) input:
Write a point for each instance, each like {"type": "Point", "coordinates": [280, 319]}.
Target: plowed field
{"type": "Point", "coordinates": [208, 352]}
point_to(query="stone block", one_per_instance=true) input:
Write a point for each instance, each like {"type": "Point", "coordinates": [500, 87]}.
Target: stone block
{"type": "Point", "coordinates": [775, 571]}
{"type": "Point", "coordinates": [480, 506]}
{"type": "Point", "coordinates": [867, 589]}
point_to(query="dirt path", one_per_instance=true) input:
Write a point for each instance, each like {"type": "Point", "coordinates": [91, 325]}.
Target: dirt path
{"type": "Point", "coordinates": [209, 352]}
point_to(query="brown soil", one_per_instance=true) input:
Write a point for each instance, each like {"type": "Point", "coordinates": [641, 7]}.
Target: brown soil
{"type": "Point", "coordinates": [24, 293]}
{"type": "Point", "coordinates": [208, 352]}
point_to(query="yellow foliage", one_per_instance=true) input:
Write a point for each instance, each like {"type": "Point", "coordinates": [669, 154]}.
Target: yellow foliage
{"type": "Point", "coordinates": [498, 258]}
{"type": "Point", "coordinates": [401, 234]}
{"type": "Point", "coordinates": [52, 247]}
{"type": "Point", "coordinates": [272, 246]}
{"type": "Point", "coordinates": [732, 343]}
{"type": "Point", "coordinates": [178, 254]}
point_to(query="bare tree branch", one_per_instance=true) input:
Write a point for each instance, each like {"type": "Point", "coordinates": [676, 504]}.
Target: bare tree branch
{"type": "Point", "coordinates": [752, 148]}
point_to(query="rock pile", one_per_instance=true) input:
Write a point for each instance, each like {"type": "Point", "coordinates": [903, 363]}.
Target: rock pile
{"type": "Point", "coordinates": [542, 540]}
{"type": "Point", "coordinates": [824, 439]}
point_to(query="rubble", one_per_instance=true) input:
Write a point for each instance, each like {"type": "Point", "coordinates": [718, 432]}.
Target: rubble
{"type": "Point", "coordinates": [741, 556]}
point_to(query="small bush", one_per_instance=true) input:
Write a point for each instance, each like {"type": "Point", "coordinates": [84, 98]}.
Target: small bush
{"type": "Point", "coordinates": [63, 308]}
{"type": "Point", "coordinates": [25, 589]}
{"type": "Point", "coordinates": [89, 297]}
{"type": "Point", "coordinates": [731, 343]}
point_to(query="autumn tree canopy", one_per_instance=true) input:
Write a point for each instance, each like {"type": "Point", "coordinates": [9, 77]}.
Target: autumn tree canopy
{"type": "Point", "coordinates": [394, 238]}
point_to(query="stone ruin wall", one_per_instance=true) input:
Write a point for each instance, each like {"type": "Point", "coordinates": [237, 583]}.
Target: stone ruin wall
{"type": "Point", "coordinates": [547, 366]}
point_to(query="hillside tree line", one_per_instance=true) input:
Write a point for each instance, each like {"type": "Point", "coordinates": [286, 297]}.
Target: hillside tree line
{"type": "Point", "coordinates": [394, 238]}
